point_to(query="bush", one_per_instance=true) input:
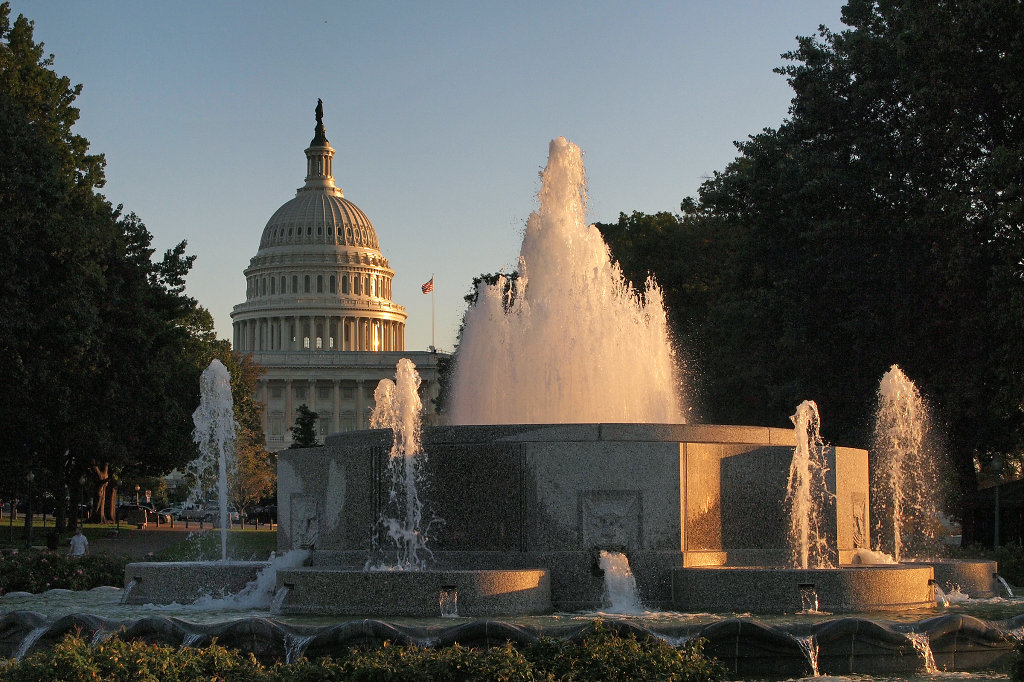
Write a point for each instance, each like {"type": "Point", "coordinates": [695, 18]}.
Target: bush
{"type": "Point", "coordinates": [600, 655]}
{"type": "Point", "coordinates": [38, 571]}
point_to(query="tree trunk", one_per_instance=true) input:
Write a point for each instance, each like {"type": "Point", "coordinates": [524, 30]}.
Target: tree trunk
{"type": "Point", "coordinates": [100, 509]}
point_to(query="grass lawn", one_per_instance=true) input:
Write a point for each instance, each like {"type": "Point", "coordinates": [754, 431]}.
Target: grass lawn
{"type": "Point", "coordinates": [246, 545]}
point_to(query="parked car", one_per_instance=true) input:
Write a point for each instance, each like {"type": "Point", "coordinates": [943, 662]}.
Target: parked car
{"type": "Point", "coordinates": [134, 513]}
{"type": "Point", "coordinates": [167, 514]}
{"type": "Point", "coordinates": [196, 514]}
{"type": "Point", "coordinates": [263, 514]}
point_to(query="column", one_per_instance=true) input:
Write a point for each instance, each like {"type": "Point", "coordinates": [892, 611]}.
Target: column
{"type": "Point", "coordinates": [335, 405]}
{"type": "Point", "coordinates": [289, 411]}
{"type": "Point", "coordinates": [360, 404]}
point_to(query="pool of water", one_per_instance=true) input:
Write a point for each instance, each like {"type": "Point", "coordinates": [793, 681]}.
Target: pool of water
{"type": "Point", "coordinates": [106, 602]}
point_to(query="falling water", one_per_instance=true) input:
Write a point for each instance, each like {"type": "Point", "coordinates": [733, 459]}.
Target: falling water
{"type": "Point", "coordinates": [398, 407]}
{"type": "Point", "coordinates": [923, 645]}
{"type": "Point", "coordinates": [904, 473]}
{"type": "Point", "coordinates": [569, 340]}
{"type": "Point", "coordinates": [215, 436]}
{"type": "Point", "coordinates": [620, 592]}
{"type": "Point", "coordinates": [1006, 586]}
{"type": "Point", "coordinates": [806, 492]}
{"type": "Point", "coordinates": [809, 646]}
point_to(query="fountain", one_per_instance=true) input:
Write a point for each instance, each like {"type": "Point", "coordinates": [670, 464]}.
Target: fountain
{"type": "Point", "coordinates": [191, 581]}
{"type": "Point", "coordinates": [566, 462]}
{"type": "Point", "coordinates": [569, 441]}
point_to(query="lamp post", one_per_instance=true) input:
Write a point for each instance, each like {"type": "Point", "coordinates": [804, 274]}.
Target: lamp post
{"type": "Point", "coordinates": [29, 521]}
{"type": "Point", "coordinates": [997, 470]}
{"type": "Point", "coordinates": [82, 480]}
{"type": "Point", "coordinates": [136, 496]}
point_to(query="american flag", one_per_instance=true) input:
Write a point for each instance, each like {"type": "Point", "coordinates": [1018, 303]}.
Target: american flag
{"type": "Point", "coordinates": [428, 287]}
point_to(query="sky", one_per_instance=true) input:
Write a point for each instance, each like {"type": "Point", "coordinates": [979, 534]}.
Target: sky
{"type": "Point", "coordinates": [440, 114]}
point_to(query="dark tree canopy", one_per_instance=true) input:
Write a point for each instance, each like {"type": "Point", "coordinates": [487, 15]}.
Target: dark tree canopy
{"type": "Point", "coordinates": [100, 348]}
{"type": "Point", "coordinates": [882, 223]}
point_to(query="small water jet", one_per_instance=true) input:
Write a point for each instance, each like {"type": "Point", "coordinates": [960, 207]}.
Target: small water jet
{"type": "Point", "coordinates": [904, 475]}
{"type": "Point", "coordinates": [569, 340]}
{"type": "Point", "coordinates": [215, 436]}
{"type": "Point", "coordinates": [807, 492]}
{"type": "Point", "coordinates": [398, 407]}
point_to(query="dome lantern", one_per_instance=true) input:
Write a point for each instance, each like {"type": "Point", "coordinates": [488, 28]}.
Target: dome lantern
{"type": "Point", "coordinates": [320, 159]}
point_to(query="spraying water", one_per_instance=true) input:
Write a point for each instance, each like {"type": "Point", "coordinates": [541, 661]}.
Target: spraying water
{"type": "Point", "coordinates": [398, 407]}
{"type": "Point", "coordinates": [569, 340]}
{"type": "Point", "coordinates": [215, 436]}
{"type": "Point", "coordinates": [619, 583]}
{"type": "Point", "coordinates": [806, 493]}
{"type": "Point", "coordinates": [904, 475]}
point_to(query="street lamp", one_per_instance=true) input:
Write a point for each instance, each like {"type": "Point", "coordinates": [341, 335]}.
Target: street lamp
{"type": "Point", "coordinates": [997, 470]}
{"type": "Point", "coordinates": [29, 521]}
{"type": "Point", "coordinates": [82, 480]}
{"type": "Point", "coordinates": [136, 496]}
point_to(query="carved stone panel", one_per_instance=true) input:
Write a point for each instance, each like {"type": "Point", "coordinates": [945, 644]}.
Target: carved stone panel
{"type": "Point", "coordinates": [611, 519]}
{"type": "Point", "coordinates": [305, 521]}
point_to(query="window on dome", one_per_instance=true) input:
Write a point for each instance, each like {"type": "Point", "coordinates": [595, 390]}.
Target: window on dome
{"type": "Point", "coordinates": [306, 284]}
{"type": "Point", "coordinates": [289, 232]}
{"type": "Point", "coordinates": [309, 231]}
{"type": "Point", "coordinates": [283, 280]}
{"type": "Point", "coordinates": [305, 343]}
{"type": "Point", "coordinates": [295, 284]}
{"type": "Point", "coordinates": [366, 284]}
{"type": "Point", "coordinates": [319, 230]}
{"type": "Point", "coordinates": [319, 342]}
{"type": "Point", "coordinates": [344, 284]}
{"type": "Point", "coordinates": [333, 283]}
{"type": "Point", "coordinates": [273, 285]}
{"type": "Point", "coordinates": [330, 231]}
{"type": "Point", "coordinates": [319, 284]}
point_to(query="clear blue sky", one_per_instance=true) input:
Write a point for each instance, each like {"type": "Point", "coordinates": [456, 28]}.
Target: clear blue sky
{"type": "Point", "coordinates": [440, 112]}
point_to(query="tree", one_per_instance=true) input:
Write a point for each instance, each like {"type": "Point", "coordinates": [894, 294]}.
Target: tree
{"type": "Point", "coordinates": [91, 327]}
{"type": "Point", "coordinates": [304, 430]}
{"type": "Point", "coordinates": [881, 223]}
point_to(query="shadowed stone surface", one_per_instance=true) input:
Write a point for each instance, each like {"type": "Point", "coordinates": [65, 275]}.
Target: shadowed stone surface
{"type": "Point", "coordinates": [973, 578]}
{"type": "Point", "coordinates": [854, 645]}
{"type": "Point", "coordinates": [414, 593]}
{"type": "Point", "coordinates": [15, 627]}
{"type": "Point", "coordinates": [961, 642]}
{"type": "Point", "coordinates": [186, 581]}
{"type": "Point", "coordinates": [749, 649]}
{"type": "Point", "coordinates": [552, 496]}
{"type": "Point", "coordinates": [778, 590]}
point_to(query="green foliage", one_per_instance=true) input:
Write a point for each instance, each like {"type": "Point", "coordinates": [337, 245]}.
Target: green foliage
{"type": "Point", "coordinates": [118, 661]}
{"type": "Point", "coordinates": [304, 430]}
{"type": "Point", "coordinates": [601, 655]}
{"type": "Point", "coordinates": [882, 223]}
{"type": "Point", "coordinates": [38, 571]}
{"type": "Point", "coordinates": [92, 325]}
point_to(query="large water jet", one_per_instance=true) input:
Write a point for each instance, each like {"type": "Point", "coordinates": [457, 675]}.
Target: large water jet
{"type": "Point", "coordinates": [569, 340]}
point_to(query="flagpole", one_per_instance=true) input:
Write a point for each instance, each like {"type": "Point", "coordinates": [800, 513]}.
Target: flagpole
{"type": "Point", "coordinates": [433, 341]}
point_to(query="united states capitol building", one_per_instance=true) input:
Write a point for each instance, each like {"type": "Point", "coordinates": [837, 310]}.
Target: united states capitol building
{"type": "Point", "coordinates": [318, 314]}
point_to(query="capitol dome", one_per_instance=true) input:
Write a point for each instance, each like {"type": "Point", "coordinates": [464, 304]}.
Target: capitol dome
{"type": "Point", "coordinates": [319, 281]}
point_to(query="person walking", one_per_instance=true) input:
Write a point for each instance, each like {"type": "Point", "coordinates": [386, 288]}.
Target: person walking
{"type": "Point", "coordinates": [79, 543]}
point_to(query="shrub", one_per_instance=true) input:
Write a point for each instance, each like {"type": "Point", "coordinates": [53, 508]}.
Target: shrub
{"type": "Point", "coordinates": [601, 655]}
{"type": "Point", "coordinates": [38, 571]}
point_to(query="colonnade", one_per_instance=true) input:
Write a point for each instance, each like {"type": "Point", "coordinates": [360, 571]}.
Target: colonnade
{"type": "Point", "coordinates": [358, 406]}
{"type": "Point", "coordinates": [319, 332]}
